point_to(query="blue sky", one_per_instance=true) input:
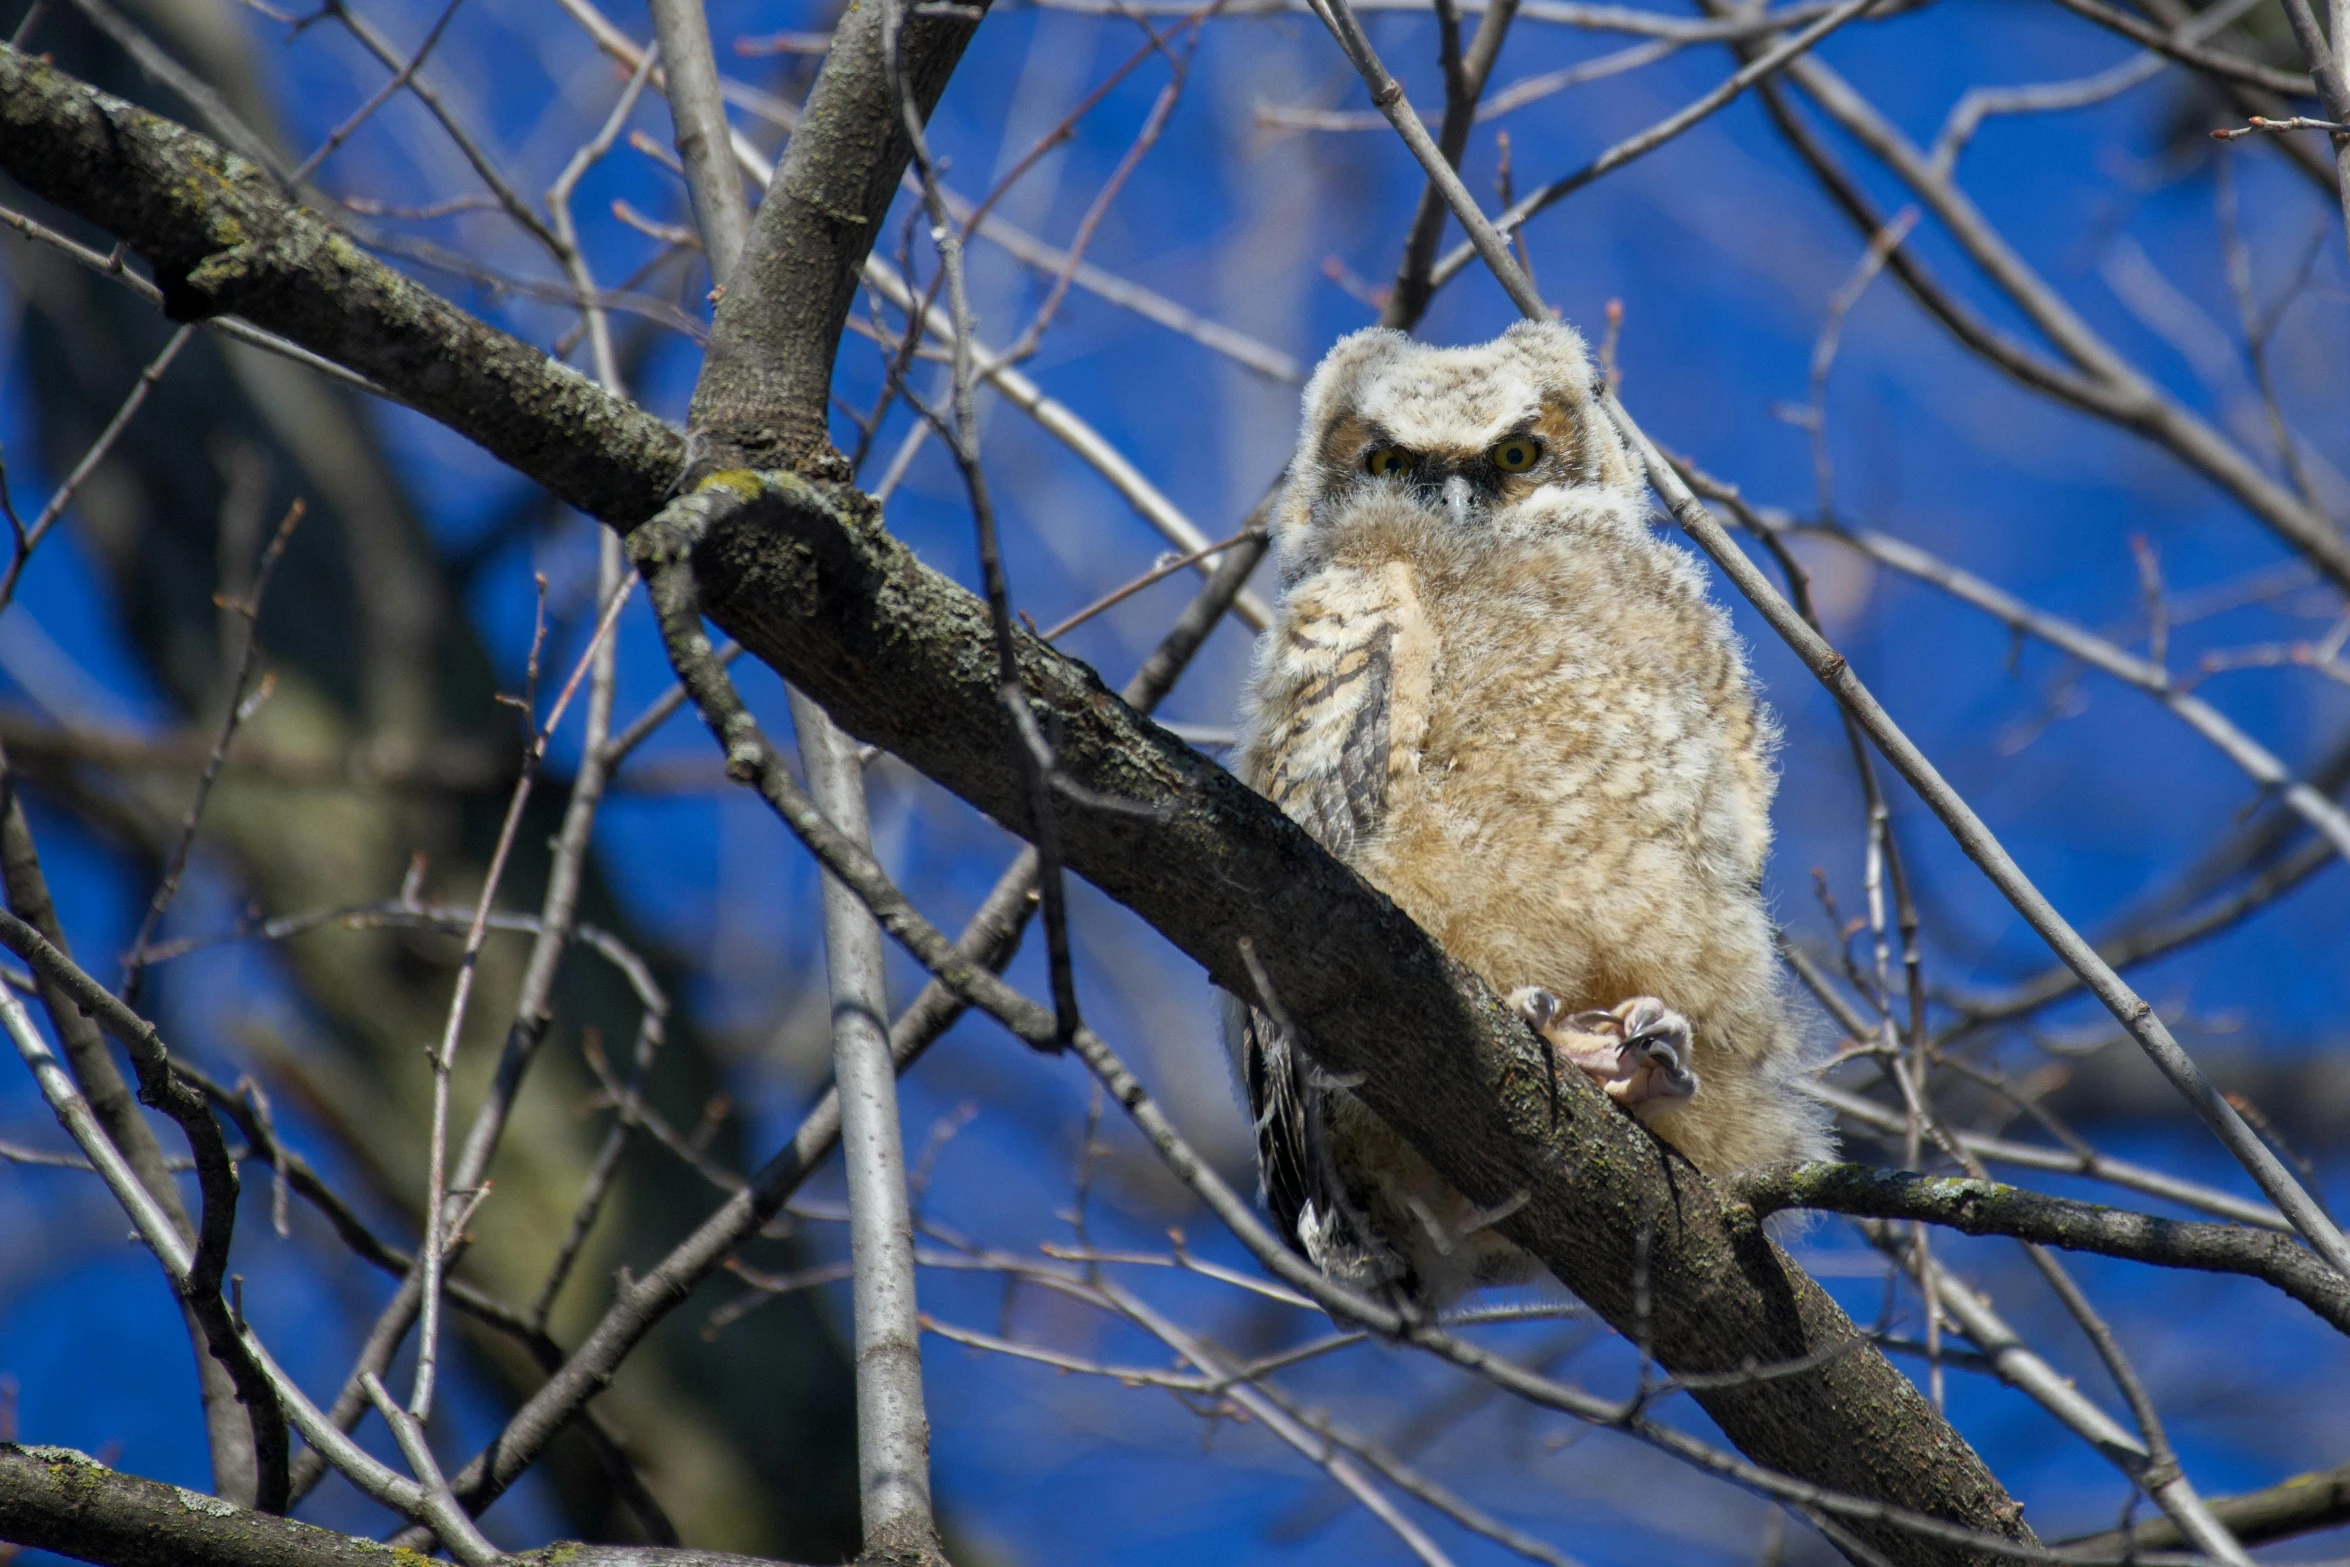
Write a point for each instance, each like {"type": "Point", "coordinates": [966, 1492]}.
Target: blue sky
{"type": "Point", "coordinates": [1723, 256]}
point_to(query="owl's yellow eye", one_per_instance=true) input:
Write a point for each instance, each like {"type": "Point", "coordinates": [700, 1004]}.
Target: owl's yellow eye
{"type": "Point", "coordinates": [1388, 462]}
{"type": "Point", "coordinates": [1517, 454]}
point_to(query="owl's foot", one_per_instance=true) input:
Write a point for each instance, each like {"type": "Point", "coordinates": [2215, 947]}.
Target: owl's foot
{"type": "Point", "coordinates": [1636, 1051]}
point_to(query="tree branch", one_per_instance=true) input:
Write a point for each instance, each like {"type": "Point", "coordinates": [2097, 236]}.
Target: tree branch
{"type": "Point", "coordinates": [1980, 1207]}
{"type": "Point", "coordinates": [216, 1176]}
{"type": "Point", "coordinates": [221, 239]}
{"type": "Point", "coordinates": [904, 658]}
{"type": "Point", "coordinates": [766, 386]}
{"type": "Point", "coordinates": [989, 941]}
{"type": "Point", "coordinates": [55, 1499]}
{"type": "Point", "coordinates": [229, 1430]}
{"type": "Point", "coordinates": [2301, 1505]}
{"type": "Point", "coordinates": [1466, 73]}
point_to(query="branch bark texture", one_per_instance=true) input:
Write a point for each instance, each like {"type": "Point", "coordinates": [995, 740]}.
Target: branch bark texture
{"type": "Point", "coordinates": [222, 240]}
{"type": "Point", "coordinates": [766, 386]}
{"type": "Point", "coordinates": [53, 1498]}
{"type": "Point", "coordinates": [1978, 1207]}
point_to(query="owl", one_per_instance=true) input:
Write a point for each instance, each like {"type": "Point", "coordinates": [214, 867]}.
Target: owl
{"type": "Point", "coordinates": [1497, 695]}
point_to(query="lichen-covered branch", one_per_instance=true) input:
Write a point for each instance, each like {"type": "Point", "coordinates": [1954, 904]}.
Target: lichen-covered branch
{"type": "Point", "coordinates": [222, 240]}
{"type": "Point", "coordinates": [53, 1498]}
{"type": "Point", "coordinates": [806, 575]}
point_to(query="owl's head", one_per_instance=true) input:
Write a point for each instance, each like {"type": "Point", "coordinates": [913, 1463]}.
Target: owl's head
{"type": "Point", "coordinates": [1463, 436]}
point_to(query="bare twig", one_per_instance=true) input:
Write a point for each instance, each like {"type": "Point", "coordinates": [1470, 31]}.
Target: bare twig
{"type": "Point", "coordinates": [1465, 75]}
{"type": "Point", "coordinates": [988, 941]}
{"type": "Point", "coordinates": [433, 1254]}
{"type": "Point", "coordinates": [247, 609]}
{"type": "Point", "coordinates": [2186, 50]}
{"type": "Point", "coordinates": [242, 1426]}
{"type": "Point", "coordinates": [704, 145]}
{"type": "Point", "coordinates": [1763, 65]}
{"type": "Point", "coordinates": [29, 539]}
{"type": "Point", "coordinates": [2101, 381]}
{"type": "Point", "coordinates": [384, 94]}
{"type": "Point", "coordinates": [2260, 125]}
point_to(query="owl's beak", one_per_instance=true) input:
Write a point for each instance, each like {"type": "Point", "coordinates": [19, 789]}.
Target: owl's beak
{"type": "Point", "coordinates": [1460, 498]}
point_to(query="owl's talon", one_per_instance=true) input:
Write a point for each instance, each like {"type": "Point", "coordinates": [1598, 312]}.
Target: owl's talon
{"type": "Point", "coordinates": [1536, 1005]}
{"type": "Point", "coordinates": [1636, 1052]}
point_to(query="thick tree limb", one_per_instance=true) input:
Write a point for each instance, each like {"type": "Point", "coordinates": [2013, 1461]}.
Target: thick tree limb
{"type": "Point", "coordinates": [222, 240]}
{"type": "Point", "coordinates": [808, 579]}
{"type": "Point", "coordinates": [55, 1499]}
{"type": "Point", "coordinates": [1992, 1208]}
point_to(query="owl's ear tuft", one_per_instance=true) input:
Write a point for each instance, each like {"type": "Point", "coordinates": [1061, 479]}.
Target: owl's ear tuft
{"type": "Point", "coordinates": [1554, 340]}
{"type": "Point", "coordinates": [1341, 370]}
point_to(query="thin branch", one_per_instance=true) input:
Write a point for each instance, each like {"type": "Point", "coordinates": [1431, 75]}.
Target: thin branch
{"type": "Point", "coordinates": [2260, 125]}
{"type": "Point", "coordinates": [242, 1426]}
{"type": "Point", "coordinates": [1037, 763]}
{"type": "Point", "coordinates": [1981, 1207]}
{"type": "Point", "coordinates": [2260, 764]}
{"type": "Point", "coordinates": [2064, 1161]}
{"type": "Point", "coordinates": [509, 200]}
{"type": "Point", "coordinates": [2107, 384]}
{"type": "Point", "coordinates": [417, 1295]}
{"type": "Point", "coordinates": [1639, 145]}
{"type": "Point", "coordinates": [382, 95]}
{"type": "Point", "coordinates": [988, 941]}
{"type": "Point", "coordinates": [29, 539]}
{"type": "Point", "coordinates": [2218, 63]}
{"type": "Point", "coordinates": [248, 610]}
{"type": "Point", "coordinates": [196, 1273]}
{"type": "Point", "coordinates": [1465, 76]}
{"type": "Point", "coordinates": [698, 112]}
{"type": "Point", "coordinates": [2332, 80]}
{"type": "Point", "coordinates": [2301, 1505]}
{"type": "Point", "coordinates": [433, 1254]}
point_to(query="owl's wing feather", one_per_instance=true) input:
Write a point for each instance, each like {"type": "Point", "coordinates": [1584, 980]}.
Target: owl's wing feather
{"type": "Point", "coordinates": [1343, 698]}
{"type": "Point", "coordinates": [1330, 756]}
{"type": "Point", "coordinates": [1287, 1147]}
